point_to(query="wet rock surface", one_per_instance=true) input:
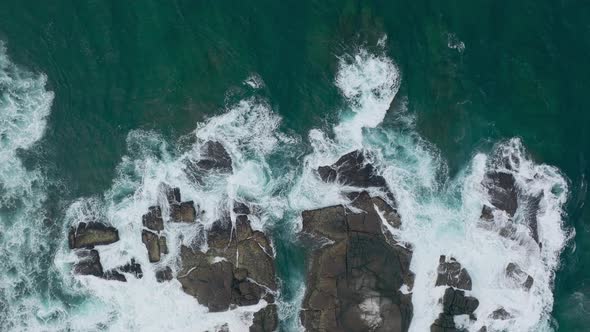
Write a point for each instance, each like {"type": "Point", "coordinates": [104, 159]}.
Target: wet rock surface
{"type": "Point", "coordinates": [518, 276]}
{"type": "Point", "coordinates": [501, 188]}
{"type": "Point", "coordinates": [89, 264]}
{"type": "Point", "coordinates": [451, 273]}
{"type": "Point", "coordinates": [454, 301]}
{"type": "Point", "coordinates": [354, 170]}
{"type": "Point", "coordinates": [355, 270]}
{"type": "Point", "coordinates": [238, 268]}
{"type": "Point", "coordinates": [215, 157]}
{"type": "Point", "coordinates": [265, 320]}
{"type": "Point", "coordinates": [88, 235]}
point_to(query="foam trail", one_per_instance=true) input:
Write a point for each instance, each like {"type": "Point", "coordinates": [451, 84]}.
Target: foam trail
{"type": "Point", "coordinates": [24, 107]}
{"type": "Point", "coordinates": [248, 131]}
{"type": "Point", "coordinates": [441, 215]}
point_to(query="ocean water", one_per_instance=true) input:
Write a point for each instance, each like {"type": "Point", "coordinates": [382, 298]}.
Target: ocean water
{"type": "Point", "coordinates": [101, 102]}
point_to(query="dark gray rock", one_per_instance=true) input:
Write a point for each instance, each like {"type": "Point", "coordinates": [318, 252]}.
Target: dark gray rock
{"type": "Point", "coordinates": [265, 320]}
{"type": "Point", "coordinates": [88, 264]}
{"type": "Point", "coordinates": [88, 235]}
{"type": "Point", "coordinates": [357, 265]}
{"type": "Point", "coordinates": [153, 219]}
{"type": "Point", "coordinates": [164, 274]}
{"type": "Point", "coordinates": [352, 169]}
{"type": "Point", "coordinates": [390, 214]}
{"type": "Point", "coordinates": [152, 243]}
{"type": "Point", "coordinates": [221, 277]}
{"type": "Point", "coordinates": [501, 188]}
{"type": "Point", "coordinates": [450, 273]}
{"type": "Point", "coordinates": [515, 273]}
{"type": "Point", "coordinates": [501, 314]}
{"type": "Point", "coordinates": [183, 212]}
{"type": "Point", "coordinates": [530, 215]}
{"type": "Point", "coordinates": [241, 208]}
{"type": "Point", "coordinates": [215, 157]}
{"type": "Point", "coordinates": [487, 213]}
{"type": "Point", "coordinates": [132, 267]}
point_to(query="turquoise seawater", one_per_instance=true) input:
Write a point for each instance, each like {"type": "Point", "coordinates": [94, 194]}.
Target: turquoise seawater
{"type": "Point", "coordinates": [93, 91]}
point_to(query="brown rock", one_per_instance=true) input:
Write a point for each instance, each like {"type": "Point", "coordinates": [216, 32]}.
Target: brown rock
{"type": "Point", "coordinates": [152, 244]}
{"type": "Point", "coordinates": [88, 235]}
{"type": "Point", "coordinates": [183, 212]}
{"type": "Point", "coordinates": [265, 320]}
{"type": "Point", "coordinates": [153, 219]}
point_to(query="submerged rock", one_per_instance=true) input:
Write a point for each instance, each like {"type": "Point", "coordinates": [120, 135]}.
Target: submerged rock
{"type": "Point", "coordinates": [88, 235]}
{"type": "Point", "coordinates": [450, 273]}
{"type": "Point", "coordinates": [354, 281]}
{"type": "Point", "coordinates": [518, 276]}
{"type": "Point", "coordinates": [501, 314]}
{"type": "Point", "coordinates": [215, 157]}
{"type": "Point", "coordinates": [89, 264]}
{"type": "Point", "coordinates": [164, 274]}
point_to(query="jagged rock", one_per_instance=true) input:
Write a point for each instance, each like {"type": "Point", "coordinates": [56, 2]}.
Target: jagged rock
{"type": "Point", "coordinates": [153, 219]}
{"type": "Point", "coordinates": [163, 246]}
{"type": "Point", "coordinates": [215, 157]}
{"type": "Point", "coordinates": [152, 243]}
{"type": "Point", "coordinates": [390, 214]}
{"type": "Point", "coordinates": [352, 169]}
{"type": "Point", "coordinates": [89, 263]}
{"type": "Point", "coordinates": [164, 274]}
{"type": "Point", "coordinates": [265, 320]}
{"type": "Point", "coordinates": [183, 212]}
{"type": "Point", "coordinates": [241, 208]}
{"type": "Point", "coordinates": [454, 303]}
{"type": "Point", "coordinates": [515, 273]}
{"type": "Point", "coordinates": [530, 215]}
{"type": "Point", "coordinates": [501, 314]}
{"type": "Point", "coordinates": [237, 269]}
{"type": "Point", "coordinates": [88, 235]}
{"type": "Point", "coordinates": [356, 265]}
{"type": "Point", "coordinates": [487, 213]}
{"type": "Point", "coordinates": [450, 273]}
{"type": "Point", "coordinates": [172, 195]}
{"type": "Point", "coordinates": [501, 188]}
{"type": "Point", "coordinates": [132, 267]}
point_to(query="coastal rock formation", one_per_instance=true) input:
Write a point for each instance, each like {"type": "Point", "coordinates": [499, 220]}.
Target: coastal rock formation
{"type": "Point", "coordinates": [454, 301]}
{"type": "Point", "coordinates": [502, 191]}
{"type": "Point", "coordinates": [238, 268]}
{"type": "Point", "coordinates": [518, 276]}
{"type": "Point", "coordinates": [89, 264]}
{"type": "Point", "coordinates": [215, 157]}
{"type": "Point", "coordinates": [88, 235]}
{"type": "Point", "coordinates": [354, 281]}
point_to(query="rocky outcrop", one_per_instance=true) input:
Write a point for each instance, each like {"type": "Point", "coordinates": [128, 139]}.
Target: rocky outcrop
{"type": "Point", "coordinates": [88, 235]}
{"type": "Point", "coordinates": [164, 274]}
{"type": "Point", "coordinates": [215, 157]}
{"type": "Point", "coordinates": [354, 280]}
{"type": "Point", "coordinates": [454, 301]}
{"type": "Point", "coordinates": [502, 191]}
{"type": "Point", "coordinates": [265, 320]}
{"type": "Point", "coordinates": [89, 264]}
{"type": "Point", "coordinates": [518, 276]}
{"type": "Point", "coordinates": [238, 268]}
{"type": "Point", "coordinates": [155, 244]}
{"type": "Point", "coordinates": [451, 273]}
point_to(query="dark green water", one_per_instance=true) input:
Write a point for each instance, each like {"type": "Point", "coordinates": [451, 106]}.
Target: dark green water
{"type": "Point", "coordinates": [164, 65]}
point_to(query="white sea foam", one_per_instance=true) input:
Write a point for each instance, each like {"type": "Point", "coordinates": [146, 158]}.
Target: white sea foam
{"type": "Point", "coordinates": [24, 107]}
{"type": "Point", "coordinates": [248, 131]}
{"type": "Point", "coordinates": [440, 215]}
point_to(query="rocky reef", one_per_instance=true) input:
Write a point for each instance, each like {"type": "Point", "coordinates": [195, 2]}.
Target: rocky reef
{"type": "Point", "coordinates": [237, 268]}
{"type": "Point", "coordinates": [357, 272]}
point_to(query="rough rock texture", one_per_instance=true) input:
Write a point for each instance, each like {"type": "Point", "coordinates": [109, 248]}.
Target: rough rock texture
{"type": "Point", "coordinates": [164, 274]}
{"type": "Point", "coordinates": [89, 264]}
{"type": "Point", "coordinates": [183, 212]}
{"type": "Point", "coordinates": [215, 157]}
{"type": "Point", "coordinates": [238, 269]}
{"type": "Point", "coordinates": [450, 273]}
{"type": "Point", "coordinates": [352, 169]}
{"type": "Point", "coordinates": [357, 267]}
{"type": "Point", "coordinates": [265, 320]}
{"type": "Point", "coordinates": [152, 243]}
{"type": "Point", "coordinates": [516, 274]}
{"type": "Point", "coordinates": [153, 219]}
{"type": "Point", "coordinates": [390, 214]}
{"type": "Point", "coordinates": [501, 314]}
{"type": "Point", "coordinates": [241, 208]}
{"type": "Point", "coordinates": [88, 235]}
{"type": "Point", "coordinates": [501, 187]}
{"type": "Point", "coordinates": [454, 303]}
